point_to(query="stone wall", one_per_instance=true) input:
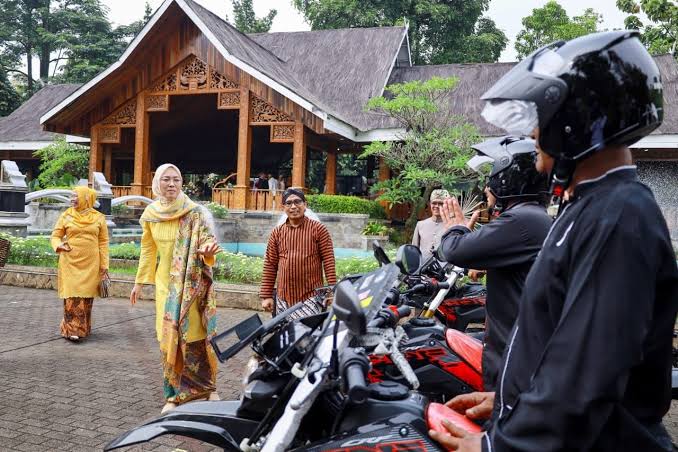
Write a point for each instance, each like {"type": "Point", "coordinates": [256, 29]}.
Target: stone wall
{"type": "Point", "coordinates": [43, 217]}
{"type": "Point", "coordinates": [255, 227]}
{"type": "Point", "coordinates": [662, 178]}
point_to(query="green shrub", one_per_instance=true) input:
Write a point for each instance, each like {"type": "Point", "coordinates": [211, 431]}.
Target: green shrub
{"type": "Point", "coordinates": [239, 268]}
{"type": "Point", "coordinates": [31, 251]}
{"type": "Point", "coordinates": [399, 237]}
{"type": "Point", "coordinates": [128, 250]}
{"type": "Point", "coordinates": [375, 228]}
{"type": "Point", "coordinates": [120, 209]}
{"type": "Point", "coordinates": [62, 163]}
{"type": "Point", "coordinates": [217, 210]}
{"type": "Point", "coordinates": [345, 204]}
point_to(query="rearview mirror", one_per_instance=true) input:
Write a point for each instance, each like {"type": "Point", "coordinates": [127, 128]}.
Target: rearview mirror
{"type": "Point", "coordinates": [347, 308]}
{"type": "Point", "coordinates": [408, 259]}
{"type": "Point", "coordinates": [380, 254]}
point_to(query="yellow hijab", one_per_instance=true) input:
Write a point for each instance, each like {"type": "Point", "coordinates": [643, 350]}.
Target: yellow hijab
{"type": "Point", "coordinates": [161, 210]}
{"type": "Point", "coordinates": [84, 214]}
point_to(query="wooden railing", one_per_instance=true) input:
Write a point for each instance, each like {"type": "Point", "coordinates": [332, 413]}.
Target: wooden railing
{"type": "Point", "coordinates": [264, 200]}
{"type": "Point", "coordinates": [258, 200]}
{"type": "Point", "coordinates": [148, 192]}
{"type": "Point", "coordinates": [224, 197]}
{"type": "Point", "coordinates": [121, 190]}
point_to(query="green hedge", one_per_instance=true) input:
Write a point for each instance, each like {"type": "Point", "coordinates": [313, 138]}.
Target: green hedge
{"type": "Point", "coordinates": [230, 267]}
{"type": "Point", "coordinates": [345, 204]}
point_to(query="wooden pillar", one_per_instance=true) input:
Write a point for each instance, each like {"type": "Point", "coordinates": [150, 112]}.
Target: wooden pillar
{"type": "Point", "coordinates": [242, 185]}
{"type": "Point", "coordinates": [108, 163]}
{"type": "Point", "coordinates": [299, 156]}
{"type": "Point", "coordinates": [142, 164]}
{"type": "Point", "coordinates": [95, 152]}
{"type": "Point", "coordinates": [331, 172]}
{"type": "Point", "coordinates": [384, 170]}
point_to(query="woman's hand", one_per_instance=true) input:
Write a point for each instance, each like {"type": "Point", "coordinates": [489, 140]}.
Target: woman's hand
{"type": "Point", "coordinates": [134, 296]}
{"type": "Point", "coordinates": [209, 250]}
{"type": "Point", "coordinates": [63, 248]}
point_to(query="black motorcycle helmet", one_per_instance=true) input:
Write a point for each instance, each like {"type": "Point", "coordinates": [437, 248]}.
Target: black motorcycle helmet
{"type": "Point", "coordinates": [591, 92]}
{"type": "Point", "coordinates": [513, 175]}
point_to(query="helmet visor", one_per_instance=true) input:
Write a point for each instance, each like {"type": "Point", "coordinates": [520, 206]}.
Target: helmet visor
{"type": "Point", "coordinates": [516, 117]}
{"type": "Point", "coordinates": [481, 164]}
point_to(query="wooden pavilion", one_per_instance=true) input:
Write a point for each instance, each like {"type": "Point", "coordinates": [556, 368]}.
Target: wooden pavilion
{"type": "Point", "coordinates": [194, 91]}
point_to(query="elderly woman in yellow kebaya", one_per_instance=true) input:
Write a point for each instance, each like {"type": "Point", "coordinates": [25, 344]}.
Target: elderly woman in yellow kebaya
{"type": "Point", "coordinates": [178, 251]}
{"type": "Point", "coordinates": [80, 237]}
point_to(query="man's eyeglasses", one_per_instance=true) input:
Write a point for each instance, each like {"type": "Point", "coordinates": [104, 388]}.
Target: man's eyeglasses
{"type": "Point", "coordinates": [294, 202]}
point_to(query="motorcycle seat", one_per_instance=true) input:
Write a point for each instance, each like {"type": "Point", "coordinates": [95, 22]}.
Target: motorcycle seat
{"type": "Point", "coordinates": [466, 347]}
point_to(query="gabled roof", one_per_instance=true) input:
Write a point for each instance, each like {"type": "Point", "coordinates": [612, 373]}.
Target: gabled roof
{"type": "Point", "coordinates": [23, 124]}
{"type": "Point", "coordinates": [329, 73]}
{"type": "Point", "coordinates": [344, 67]}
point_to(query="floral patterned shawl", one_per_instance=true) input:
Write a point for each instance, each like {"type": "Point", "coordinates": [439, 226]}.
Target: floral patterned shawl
{"type": "Point", "coordinates": [190, 282]}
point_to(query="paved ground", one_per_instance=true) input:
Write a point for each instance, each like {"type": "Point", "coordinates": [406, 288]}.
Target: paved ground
{"type": "Point", "coordinates": [59, 396]}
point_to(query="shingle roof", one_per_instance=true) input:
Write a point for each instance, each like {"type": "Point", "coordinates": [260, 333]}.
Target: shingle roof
{"type": "Point", "coordinates": [475, 79]}
{"type": "Point", "coordinates": [249, 51]}
{"type": "Point", "coordinates": [24, 122]}
{"type": "Point", "coordinates": [344, 68]}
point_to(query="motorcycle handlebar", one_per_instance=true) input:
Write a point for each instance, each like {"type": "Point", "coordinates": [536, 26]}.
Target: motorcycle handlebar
{"type": "Point", "coordinates": [390, 317]}
{"type": "Point", "coordinates": [356, 385]}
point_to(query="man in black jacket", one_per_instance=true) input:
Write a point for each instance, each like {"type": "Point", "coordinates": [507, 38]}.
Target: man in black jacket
{"type": "Point", "coordinates": [508, 245]}
{"type": "Point", "coordinates": [588, 365]}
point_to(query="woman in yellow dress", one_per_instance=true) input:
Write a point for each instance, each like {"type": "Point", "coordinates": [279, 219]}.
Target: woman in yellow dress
{"type": "Point", "coordinates": [80, 237]}
{"type": "Point", "coordinates": [178, 250]}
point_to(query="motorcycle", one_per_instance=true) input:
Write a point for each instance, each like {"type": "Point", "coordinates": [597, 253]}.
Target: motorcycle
{"type": "Point", "coordinates": [461, 307]}
{"type": "Point", "coordinates": [310, 391]}
{"type": "Point", "coordinates": [446, 361]}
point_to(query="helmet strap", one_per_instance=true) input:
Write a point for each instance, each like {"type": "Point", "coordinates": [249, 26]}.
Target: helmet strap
{"type": "Point", "coordinates": [561, 176]}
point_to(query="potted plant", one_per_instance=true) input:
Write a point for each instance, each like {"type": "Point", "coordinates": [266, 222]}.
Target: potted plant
{"type": "Point", "coordinates": [374, 231]}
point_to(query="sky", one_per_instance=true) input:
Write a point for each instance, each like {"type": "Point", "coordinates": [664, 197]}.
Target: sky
{"type": "Point", "coordinates": [507, 14]}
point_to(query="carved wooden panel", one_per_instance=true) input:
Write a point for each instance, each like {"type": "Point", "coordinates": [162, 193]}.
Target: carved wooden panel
{"type": "Point", "coordinates": [282, 133]}
{"type": "Point", "coordinates": [228, 100]}
{"type": "Point", "coordinates": [157, 102]}
{"type": "Point", "coordinates": [125, 115]}
{"type": "Point", "coordinates": [262, 111]}
{"type": "Point", "coordinates": [168, 83]}
{"type": "Point", "coordinates": [109, 134]}
{"type": "Point", "coordinates": [218, 81]}
{"type": "Point", "coordinates": [193, 75]}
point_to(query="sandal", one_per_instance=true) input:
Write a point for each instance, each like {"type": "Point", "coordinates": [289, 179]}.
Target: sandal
{"type": "Point", "coordinates": [169, 406]}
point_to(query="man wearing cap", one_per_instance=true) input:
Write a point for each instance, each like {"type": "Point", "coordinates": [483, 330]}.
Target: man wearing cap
{"type": "Point", "coordinates": [428, 232]}
{"type": "Point", "coordinates": [298, 252]}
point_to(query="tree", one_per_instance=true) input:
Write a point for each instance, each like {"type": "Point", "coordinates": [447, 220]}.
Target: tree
{"type": "Point", "coordinates": [247, 22]}
{"type": "Point", "coordinates": [439, 30]}
{"type": "Point", "coordinates": [9, 98]}
{"type": "Point", "coordinates": [74, 32]}
{"type": "Point", "coordinates": [660, 37]}
{"type": "Point", "coordinates": [435, 148]}
{"type": "Point", "coordinates": [62, 163]}
{"type": "Point", "coordinates": [551, 23]}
